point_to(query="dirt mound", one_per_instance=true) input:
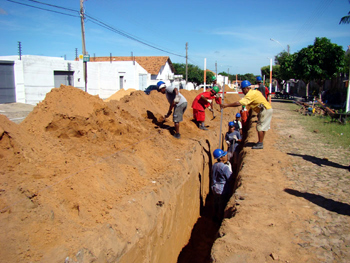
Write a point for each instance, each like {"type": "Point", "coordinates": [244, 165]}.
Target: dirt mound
{"type": "Point", "coordinates": [119, 94]}
{"type": "Point", "coordinates": [75, 165]}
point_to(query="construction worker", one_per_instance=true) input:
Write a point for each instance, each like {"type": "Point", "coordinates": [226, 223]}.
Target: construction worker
{"type": "Point", "coordinates": [213, 78]}
{"type": "Point", "coordinates": [220, 183]}
{"type": "Point", "coordinates": [238, 123]}
{"type": "Point", "coordinates": [244, 117]}
{"type": "Point", "coordinates": [177, 102]}
{"type": "Point", "coordinates": [201, 102]}
{"type": "Point", "coordinates": [232, 139]}
{"type": "Point", "coordinates": [259, 104]}
{"type": "Point", "coordinates": [264, 90]}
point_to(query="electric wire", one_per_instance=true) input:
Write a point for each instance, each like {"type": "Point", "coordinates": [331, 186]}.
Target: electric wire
{"type": "Point", "coordinates": [41, 8]}
{"type": "Point", "coordinates": [127, 35]}
{"type": "Point", "coordinates": [61, 7]}
{"type": "Point", "coordinates": [97, 22]}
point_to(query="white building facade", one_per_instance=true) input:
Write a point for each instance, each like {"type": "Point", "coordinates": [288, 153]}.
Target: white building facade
{"type": "Point", "coordinates": [29, 79]}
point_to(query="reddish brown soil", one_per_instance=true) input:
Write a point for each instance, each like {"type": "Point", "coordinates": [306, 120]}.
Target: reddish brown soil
{"type": "Point", "coordinates": [68, 167]}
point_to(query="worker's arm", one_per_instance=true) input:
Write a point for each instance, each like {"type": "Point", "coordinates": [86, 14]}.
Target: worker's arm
{"type": "Point", "coordinates": [204, 98]}
{"type": "Point", "coordinates": [234, 104]}
{"type": "Point", "coordinates": [171, 106]}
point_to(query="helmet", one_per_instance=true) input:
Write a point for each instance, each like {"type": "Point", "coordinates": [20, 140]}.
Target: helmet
{"type": "Point", "coordinates": [238, 115]}
{"type": "Point", "coordinates": [216, 89]}
{"type": "Point", "coordinates": [258, 79]}
{"type": "Point", "coordinates": [213, 78]}
{"type": "Point", "coordinates": [160, 84]}
{"type": "Point", "coordinates": [218, 153]}
{"type": "Point", "coordinates": [231, 124]}
{"type": "Point", "coordinates": [245, 83]}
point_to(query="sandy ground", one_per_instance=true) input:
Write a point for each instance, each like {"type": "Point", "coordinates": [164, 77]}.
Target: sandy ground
{"type": "Point", "coordinates": [73, 170]}
{"type": "Point", "coordinates": [66, 169]}
{"type": "Point", "coordinates": [293, 205]}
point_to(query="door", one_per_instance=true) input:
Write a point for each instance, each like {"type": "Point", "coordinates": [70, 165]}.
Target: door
{"type": "Point", "coordinates": [121, 82]}
{"type": "Point", "coordinates": [7, 82]}
{"type": "Point", "coordinates": [142, 81]}
{"type": "Point", "coordinates": [63, 78]}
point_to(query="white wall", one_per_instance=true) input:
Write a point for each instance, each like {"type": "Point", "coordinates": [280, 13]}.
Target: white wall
{"type": "Point", "coordinates": [34, 76]}
{"type": "Point", "coordinates": [104, 77]}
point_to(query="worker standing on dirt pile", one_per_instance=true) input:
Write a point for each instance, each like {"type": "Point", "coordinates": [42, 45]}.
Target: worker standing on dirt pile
{"type": "Point", "coordinates": [220, 186]}
{"type": "Point", "coordinates": [177, 102]}
{"type": "Point", "coordinates": [259, 104]}
{"type": "Point", "coordinates": [261, 87]}
{"type": "Point", "coordinates": [215, 83]}
{"type": "Point", "coordinates": [201, 102]}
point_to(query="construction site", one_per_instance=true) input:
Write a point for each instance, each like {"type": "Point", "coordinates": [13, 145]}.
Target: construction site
{"type": "Point", "coordinates": [87, 180]}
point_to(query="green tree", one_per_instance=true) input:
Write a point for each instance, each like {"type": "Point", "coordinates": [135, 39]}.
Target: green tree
{"type": "Point", "coordinates": [319, 61]}
{"type": "Point", "coordinates": [345, 19]}
{"type": "Point", "coordinates": [195, 74]}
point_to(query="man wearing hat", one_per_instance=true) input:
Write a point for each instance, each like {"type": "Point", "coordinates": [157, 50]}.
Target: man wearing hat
{"type": "Point", "coordinates": [201, 102]}
{"type": "Point", "coordinates": [261, 87]}
{"type": "Point", "coordinates": [260, 105]}
{"type": "Point", "coordinates": [220, 183]}
{"type": "Point", "coordinates": [177, 102]}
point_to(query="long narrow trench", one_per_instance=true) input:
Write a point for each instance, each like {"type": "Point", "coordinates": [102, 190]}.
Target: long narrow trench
{"type": "Point", "coordinates": [204, 233]}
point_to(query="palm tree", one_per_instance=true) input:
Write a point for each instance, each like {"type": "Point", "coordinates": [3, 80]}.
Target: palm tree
{"type": "Point", "coordinates": [345, 19]}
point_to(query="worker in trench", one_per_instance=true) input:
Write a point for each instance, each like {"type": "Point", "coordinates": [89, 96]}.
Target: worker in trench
{"type": "Point", "coordinates": [220, 183]}
{"type": "Point", "coordinates": [201, 102]}
{"type": "Point", "coordinates": [256, 101]}
{"type": "Point", "coordinates": [177, 102]}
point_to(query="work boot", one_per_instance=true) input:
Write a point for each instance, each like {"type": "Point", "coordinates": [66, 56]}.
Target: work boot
{"type": "Point", "coordinates": [259, 145]}
{"type": "Point", "coordinates": [177, 135]}
{"type": "Point", "coordinates": [203, 128]}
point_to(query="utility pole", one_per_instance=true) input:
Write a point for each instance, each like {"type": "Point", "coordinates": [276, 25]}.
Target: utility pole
{"type": "Point", "coordinates": [186, 63]}
{"type": "Point", "coordinates": [20, 50]}
{"type": "Point", "coordinates": [228, 76]}
{"type": "Point", "coordinates": [216, 70]}
{"type": "Point", "coordinates": [82, 16]}
{"type": "Point", "coordinates": [76, 54]}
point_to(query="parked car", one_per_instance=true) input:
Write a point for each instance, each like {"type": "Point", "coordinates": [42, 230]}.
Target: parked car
{"type": "Point", "coordinates": [207, 86]}
{"type": "Point", "coordinates": [150, 88]}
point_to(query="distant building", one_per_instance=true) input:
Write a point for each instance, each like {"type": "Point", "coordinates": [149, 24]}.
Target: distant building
{"type": "Point", "coordinates": [29, 79]}
{"type": "Point", "coordinates": [157, 67]}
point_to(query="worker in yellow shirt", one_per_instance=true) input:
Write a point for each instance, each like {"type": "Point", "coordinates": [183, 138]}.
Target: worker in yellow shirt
{"type": "Point", "coordinates": [256, 101]}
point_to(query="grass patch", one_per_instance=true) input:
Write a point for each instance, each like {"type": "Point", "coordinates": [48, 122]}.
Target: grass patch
{"type": "Point", "coordinates": [332, 132]}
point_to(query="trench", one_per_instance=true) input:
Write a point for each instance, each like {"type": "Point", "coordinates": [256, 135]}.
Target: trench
{"type": "Point", "coordinates": [182, 229]}
{"type": "Point", "coordinates": [206, 230]}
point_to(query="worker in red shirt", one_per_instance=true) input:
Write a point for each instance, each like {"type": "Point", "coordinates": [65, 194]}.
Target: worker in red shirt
{"type": "Point", "coordinates": [201, 102]}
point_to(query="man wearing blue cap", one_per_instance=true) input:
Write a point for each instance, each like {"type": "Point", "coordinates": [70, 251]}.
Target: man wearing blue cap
{"type": "Point", "coordinates": [261, 87]}
{"type": "Point", "coordinates": [257, 102]}
{"type": "Point", "coordinates": [220, 176]}
{"type": "Point", "coordinates": [177, 102]}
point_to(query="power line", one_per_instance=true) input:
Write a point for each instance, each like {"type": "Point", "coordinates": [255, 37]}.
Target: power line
{"type": "Point", "coordinates": [57, 12]}
{"type": "Point", "coordinates": [97, 22]}
{"type": "Point", "coordinates": [127, 35]}
{"type": "Point", "coordinates": [61, 7]}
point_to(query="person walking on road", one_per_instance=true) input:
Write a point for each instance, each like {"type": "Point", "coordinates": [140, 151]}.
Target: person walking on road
{"type": "Point", "coordinates": [259, 104]}
{"type": "Point", "coordinates": [177, 102]}
{"type": "Point", "coordinates": [201, 102]}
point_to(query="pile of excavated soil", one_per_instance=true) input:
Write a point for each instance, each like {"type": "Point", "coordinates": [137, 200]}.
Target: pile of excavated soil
{"type": "Point", "coordinates": [73, 167]}
{"type": "Point", "coordinates": [119, 94]}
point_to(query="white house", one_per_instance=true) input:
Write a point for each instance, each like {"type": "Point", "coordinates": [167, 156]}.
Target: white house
{"type": "Point", "coordinates": [157, 67]}
{"type": "Point", "coordinates": [28, 79]}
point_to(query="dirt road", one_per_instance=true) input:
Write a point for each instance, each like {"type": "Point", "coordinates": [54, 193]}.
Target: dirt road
{"type": "Point", "coordinates": [293, 205]}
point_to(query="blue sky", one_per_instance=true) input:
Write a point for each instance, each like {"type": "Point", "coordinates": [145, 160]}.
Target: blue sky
{"type": "Point", "coordinates": [234, 34]}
